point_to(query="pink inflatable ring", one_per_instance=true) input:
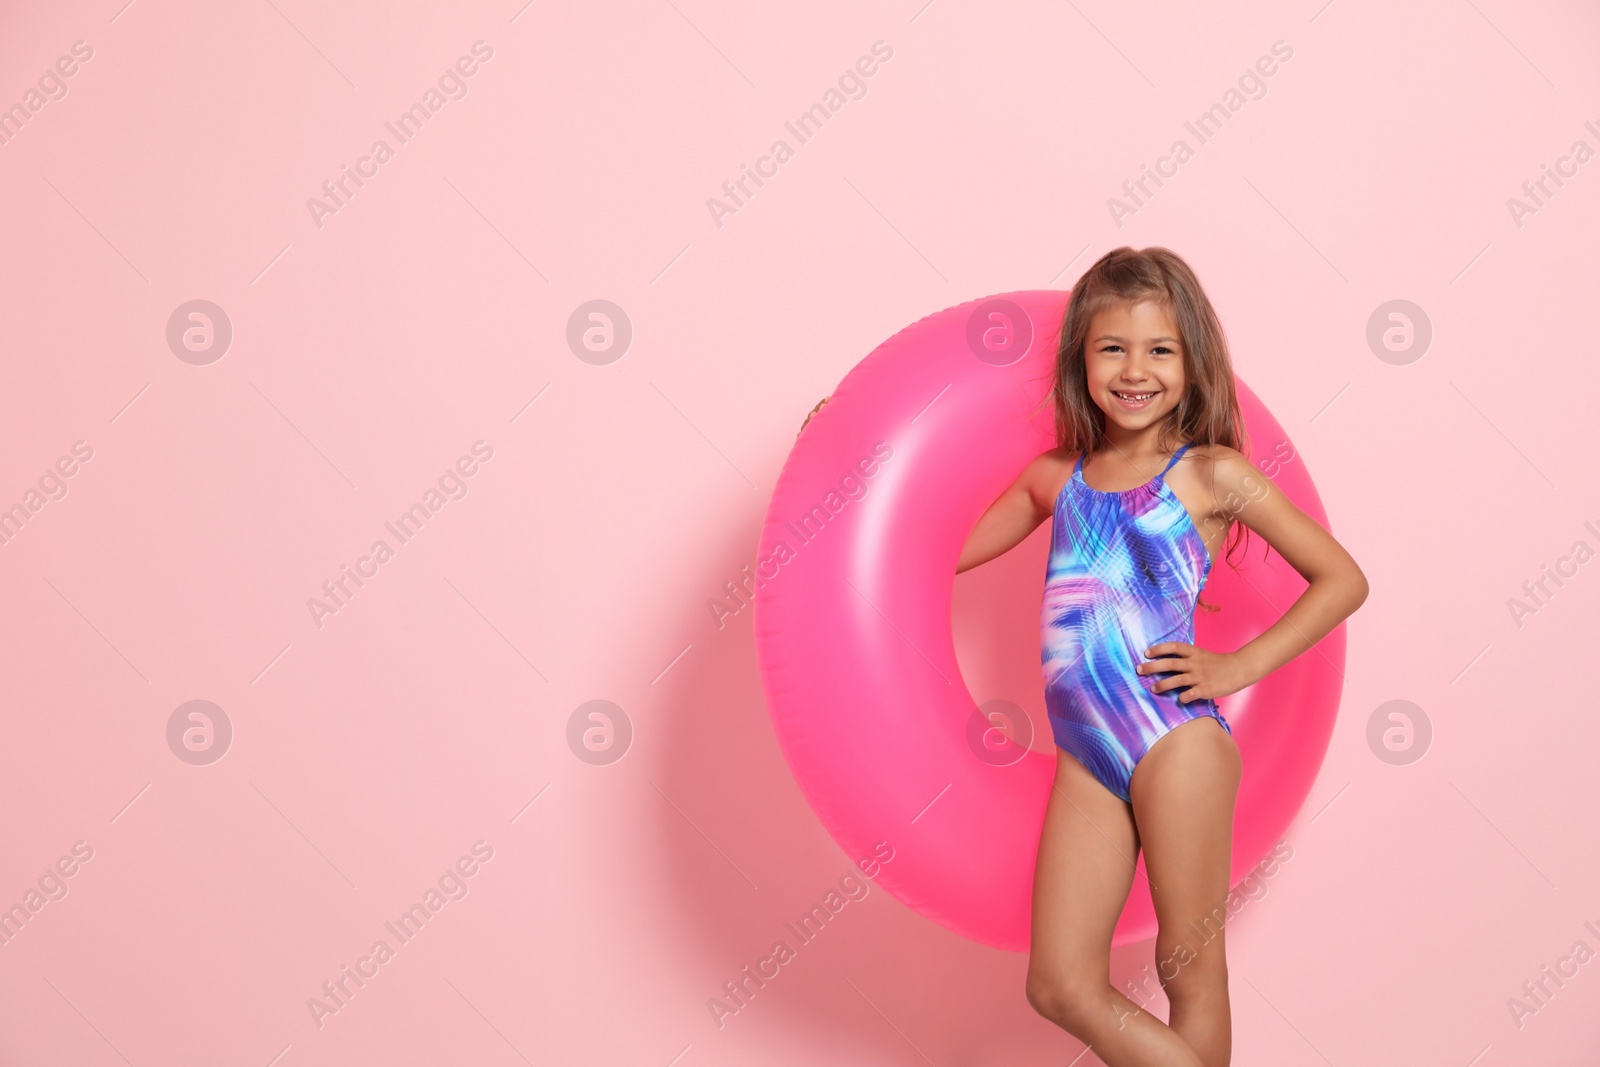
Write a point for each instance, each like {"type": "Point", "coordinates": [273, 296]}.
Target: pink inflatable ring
{"type": "Point", "coordinates": [853, 623]}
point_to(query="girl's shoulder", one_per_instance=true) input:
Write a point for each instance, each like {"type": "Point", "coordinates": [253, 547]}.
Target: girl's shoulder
{"type": "Point", "coordinates": [1046, 475]}
{"type": "Point", "coordinates": [1223, 469]}
{"type": "Point", "coordinates": [1218, 458]}
{"type": "Point", "coordinates": [1213, 453]}
{"type": "Point", "coordinates": [1055, 461]}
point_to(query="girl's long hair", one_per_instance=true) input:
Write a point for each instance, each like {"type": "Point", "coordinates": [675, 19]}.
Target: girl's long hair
{"type": "Point", "coordinates": [1208, 412]}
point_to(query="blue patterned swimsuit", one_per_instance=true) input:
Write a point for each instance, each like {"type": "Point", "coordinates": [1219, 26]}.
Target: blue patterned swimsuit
{"type": "Point", "coordinates": [1124, 573]}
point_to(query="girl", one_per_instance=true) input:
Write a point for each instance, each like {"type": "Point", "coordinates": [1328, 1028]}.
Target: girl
{"type": "Point", "coordinates": [1144, 395]}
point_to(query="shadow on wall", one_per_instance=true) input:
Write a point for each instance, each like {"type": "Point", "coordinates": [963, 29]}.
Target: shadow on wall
{"type": "Point", "coordinates": [877, 976]}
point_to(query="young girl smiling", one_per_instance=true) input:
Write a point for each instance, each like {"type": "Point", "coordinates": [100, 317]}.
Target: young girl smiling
{"type": "Point", "coordinates": [1145, 401]}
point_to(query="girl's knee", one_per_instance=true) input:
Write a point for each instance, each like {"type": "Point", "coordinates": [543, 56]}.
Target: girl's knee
{"type": "Point", "coordinates": [1199, 978]}
{"type": "Point", "coordinates": [1073, 1002]}
{"type": "Point", "coordinates": [1202, 999]}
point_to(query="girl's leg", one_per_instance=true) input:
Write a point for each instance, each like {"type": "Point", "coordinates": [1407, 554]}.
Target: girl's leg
{"type": "Point", "coordinates": [1085, 869]}
{"type": "Point", "coordinates": [1183, 793]}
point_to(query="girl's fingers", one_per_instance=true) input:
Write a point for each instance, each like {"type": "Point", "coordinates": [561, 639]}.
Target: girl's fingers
{"type": "Point", "coordinates": [1173, 662]}
{"type": "Point", "coordinates": [1177, 681]}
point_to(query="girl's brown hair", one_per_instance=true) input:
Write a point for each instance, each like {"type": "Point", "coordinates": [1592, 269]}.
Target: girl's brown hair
{"type": "Point", "coordinates": [1208, 413]}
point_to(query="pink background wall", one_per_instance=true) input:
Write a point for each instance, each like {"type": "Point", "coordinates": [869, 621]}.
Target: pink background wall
{"type": "Point", "coordinates": [368, 754]}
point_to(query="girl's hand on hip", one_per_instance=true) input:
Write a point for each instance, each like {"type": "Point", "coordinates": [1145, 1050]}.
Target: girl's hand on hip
{"type": "Point", "coordinates": [1200, 673]}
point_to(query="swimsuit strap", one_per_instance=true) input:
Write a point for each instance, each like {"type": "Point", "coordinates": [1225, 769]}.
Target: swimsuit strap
{"type": "Point", "coordinates": [1077, 468]}
{"type": "Point", "coordinates": [1175, 457]}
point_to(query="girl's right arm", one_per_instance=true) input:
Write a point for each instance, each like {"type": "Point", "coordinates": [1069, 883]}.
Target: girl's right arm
{"type": "Point", "coordinates": [1014, 515]}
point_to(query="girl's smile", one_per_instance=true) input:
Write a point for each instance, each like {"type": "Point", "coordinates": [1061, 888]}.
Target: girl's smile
{"type": "Point", "coordinates": [1135, 401]}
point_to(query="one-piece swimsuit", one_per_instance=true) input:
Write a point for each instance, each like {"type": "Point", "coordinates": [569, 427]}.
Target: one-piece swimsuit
{"type": "Point", "coordinates": [1124, 573]}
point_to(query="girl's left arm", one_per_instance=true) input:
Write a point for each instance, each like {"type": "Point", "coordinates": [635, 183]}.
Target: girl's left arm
{"type": "Point", "coordinates": [1337, 587]}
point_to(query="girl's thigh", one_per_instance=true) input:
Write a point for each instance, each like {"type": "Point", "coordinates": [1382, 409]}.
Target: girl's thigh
{"type": "Point", "coordinates": [1085, 868]}
{"type": "Point", "coordinates": [1183, 794]}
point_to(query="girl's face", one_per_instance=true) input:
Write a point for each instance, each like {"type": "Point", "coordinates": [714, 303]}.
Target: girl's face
{"type": "Point", "coordinates": [1134, 363]}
